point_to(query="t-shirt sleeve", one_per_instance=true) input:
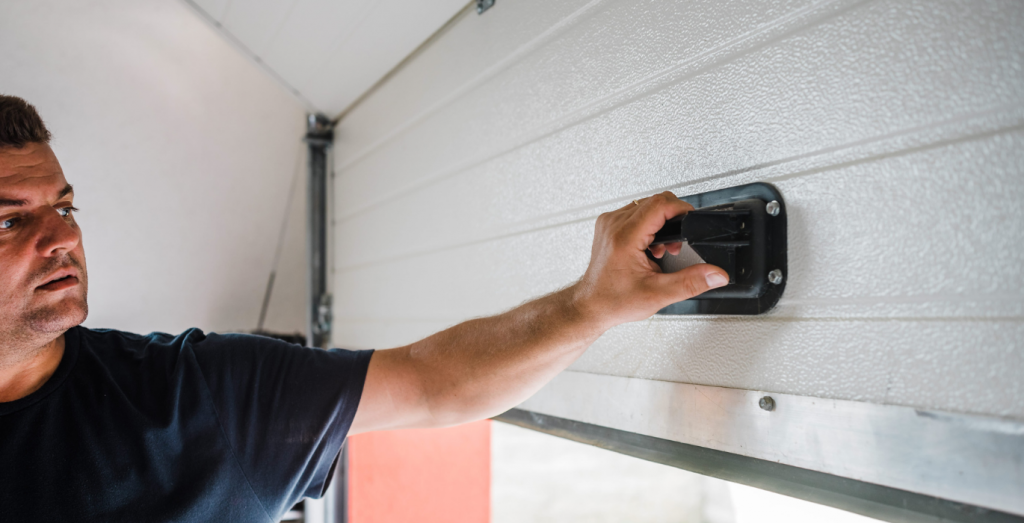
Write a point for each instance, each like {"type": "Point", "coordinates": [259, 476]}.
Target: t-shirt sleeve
{"type": "Point", "coordinates": [284, 408]}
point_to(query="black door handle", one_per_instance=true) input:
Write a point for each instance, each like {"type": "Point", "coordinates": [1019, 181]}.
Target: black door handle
{"type": "Point", "coordinates": [743, 231]}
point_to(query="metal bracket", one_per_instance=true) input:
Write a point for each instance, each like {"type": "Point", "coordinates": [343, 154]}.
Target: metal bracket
{"type": "Point", "coordinates": [483, 5]}
{"type": "Point", "coordinates": [324, 317]}
{"type": "Point", "coordinates": [319, 137]}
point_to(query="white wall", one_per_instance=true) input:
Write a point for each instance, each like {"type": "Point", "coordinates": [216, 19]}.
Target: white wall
{"type": "Point", "coordinates": [181, 152]}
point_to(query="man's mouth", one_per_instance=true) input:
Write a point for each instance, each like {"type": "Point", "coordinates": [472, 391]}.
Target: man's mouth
{"type": "Point", "coordinates": [60, 283]}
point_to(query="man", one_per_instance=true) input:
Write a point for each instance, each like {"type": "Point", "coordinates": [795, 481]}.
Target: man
{"type": "Point", "coordinates": [101, 425]}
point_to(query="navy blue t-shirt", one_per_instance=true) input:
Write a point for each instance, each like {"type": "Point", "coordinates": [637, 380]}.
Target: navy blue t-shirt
{"type": "Point", "coordinates": [192, 427]}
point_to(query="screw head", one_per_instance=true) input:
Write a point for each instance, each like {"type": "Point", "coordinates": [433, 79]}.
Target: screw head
{"type": "Point", "coordinates": [766, 403]}
{"type": "Point", "coordinates": [773, 208]}
{"type": "Point", "coordinates": [775, 276]}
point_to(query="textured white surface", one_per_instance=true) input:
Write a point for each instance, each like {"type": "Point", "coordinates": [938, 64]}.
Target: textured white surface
{"type": "Point", "coordinates": [328, 52]}
{"type": "Point", "coordinates": [181, 153]}
{"type": "Point", "coordinates": [894, 129]}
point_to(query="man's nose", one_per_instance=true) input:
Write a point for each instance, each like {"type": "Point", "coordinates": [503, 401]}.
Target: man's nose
{"type": "Point", "coordinates": [57, 235]}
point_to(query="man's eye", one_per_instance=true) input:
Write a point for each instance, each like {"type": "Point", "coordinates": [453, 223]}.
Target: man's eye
{"type": "Point", "coordinates": [66, 211]}
{"type": "Point", "coordinates": [8, 223]}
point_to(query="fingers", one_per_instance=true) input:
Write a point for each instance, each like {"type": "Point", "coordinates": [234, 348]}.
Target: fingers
{"type": "Point", "coordinates": [623, 279]}
{"type": "Point", "coordinates": [653, 212]}
{"type": "Point", "coordinates": [636, 222]}
{"type": "Point", "coordinates": [659, 250]}
{"type": "Point", "coordinates": [691, 281]}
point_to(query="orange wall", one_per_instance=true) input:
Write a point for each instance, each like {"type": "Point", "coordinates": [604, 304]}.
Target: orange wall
{"type": "Point", "coordinates": [425, 475]}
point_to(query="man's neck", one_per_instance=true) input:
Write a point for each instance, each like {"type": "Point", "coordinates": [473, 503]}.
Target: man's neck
{"type": "Point", "coordinates": [28, 374]}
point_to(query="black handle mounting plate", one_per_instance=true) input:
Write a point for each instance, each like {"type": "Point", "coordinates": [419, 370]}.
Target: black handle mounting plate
{"type": "Point", "coordinates": [732, 229]}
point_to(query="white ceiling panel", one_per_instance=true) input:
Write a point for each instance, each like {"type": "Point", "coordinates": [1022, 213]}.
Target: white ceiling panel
{"type": "Point", "coordinates": [256, 23]}
{"type": "Point", "coordinates": [306, 38]}
{"type": "Point", "coordinates": [328, 52]}
{"type": "Point", "coordinates": [355, 64]}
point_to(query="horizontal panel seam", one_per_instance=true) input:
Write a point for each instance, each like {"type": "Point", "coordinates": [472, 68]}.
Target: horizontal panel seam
{"type": "Point", "coordinates": [692, 67]}
{"type": "Point", "coordinates": [526, 228]}
{"type": "Point", "coordinates": [477, 81]}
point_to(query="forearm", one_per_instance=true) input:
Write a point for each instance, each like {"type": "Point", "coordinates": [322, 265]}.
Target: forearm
{"type": "Point", "coordinates": [485, 366]}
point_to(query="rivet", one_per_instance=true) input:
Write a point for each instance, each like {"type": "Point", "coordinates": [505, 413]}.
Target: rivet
{"type": "Point", "coordinates": [773, 208]}
{"type": "Point", "coordinates": [766, 403]}
{"type": "Point", "coordinates": [775, 276]}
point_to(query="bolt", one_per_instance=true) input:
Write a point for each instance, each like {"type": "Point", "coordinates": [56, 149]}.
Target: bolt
{"type": "Point", "coordinates": [775, 276]}
{"type": "Point", "coordinates": [773, 208]}
{"type": "Point", "coordinates": [766, 403]}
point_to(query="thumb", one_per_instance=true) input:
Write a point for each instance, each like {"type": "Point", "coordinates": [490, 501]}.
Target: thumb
{"type": "Point", "coordinates": [693, 280]}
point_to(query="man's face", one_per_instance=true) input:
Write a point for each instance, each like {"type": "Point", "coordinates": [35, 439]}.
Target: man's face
{"type": "Point", "coordinates": [43, 280]}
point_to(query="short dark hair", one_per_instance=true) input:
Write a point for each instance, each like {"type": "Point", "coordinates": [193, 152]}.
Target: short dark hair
{"type": "Point", "coordinates": [20, 123]}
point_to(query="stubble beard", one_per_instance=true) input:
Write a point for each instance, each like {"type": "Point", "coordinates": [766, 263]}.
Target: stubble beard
{"type": "Point", "coordinates": [71, 310]}
{"type": "Point", "coordinates": [39, 325]}
{"type": "Point", "coordinates": [58, 317]}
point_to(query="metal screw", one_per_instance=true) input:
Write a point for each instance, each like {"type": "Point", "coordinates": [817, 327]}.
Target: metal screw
{"type": "Point", "coordinates": [773, 208]}
{"type": "Point", "coordinates": [766, 403]}
{"type": "Point", "coordinates": [775, 276]}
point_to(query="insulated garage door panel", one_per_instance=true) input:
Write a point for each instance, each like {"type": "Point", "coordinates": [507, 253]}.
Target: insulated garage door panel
{"type": "Point", "coordinates": [559, 75]}
{"type": "Point", "coordinates": [470, 182]}
{"type": "Point", "coordinates": [903, 289]}
{"type": "Point", "coordinates": [901, 166]}
{"type": "Point", "coordinates": [727, 107]}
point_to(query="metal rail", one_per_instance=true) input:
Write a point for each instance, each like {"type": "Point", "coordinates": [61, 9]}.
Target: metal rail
{"type": "Point", "coordinates": [884, 461]}
{"type": "Point", "coordinates": [319, 137]}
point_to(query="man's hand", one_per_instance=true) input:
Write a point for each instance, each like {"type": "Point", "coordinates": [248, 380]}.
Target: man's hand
{"type": "Point", "coordinates": [486, 366]}
{"type": "Point", "coordinates": [622, 284]}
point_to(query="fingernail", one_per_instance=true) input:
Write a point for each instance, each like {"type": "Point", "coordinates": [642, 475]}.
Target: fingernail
{"type": "Point", "coordinates": [716, 279]}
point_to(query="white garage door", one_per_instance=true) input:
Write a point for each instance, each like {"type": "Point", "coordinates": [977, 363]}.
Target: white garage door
{"type": "Point", "coordinates": [469, 182]}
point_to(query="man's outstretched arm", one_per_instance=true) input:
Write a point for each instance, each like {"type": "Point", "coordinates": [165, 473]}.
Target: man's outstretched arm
{"type": "Point", "coordinates": [486, 366]}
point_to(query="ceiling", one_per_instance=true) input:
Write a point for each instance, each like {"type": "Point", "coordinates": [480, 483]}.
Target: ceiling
{"type": "Point", "coordinates": [328, 52]}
